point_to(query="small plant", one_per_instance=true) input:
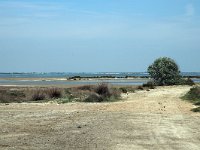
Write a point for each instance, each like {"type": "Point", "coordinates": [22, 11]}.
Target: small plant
{"type": "Point", "coordinates": [196, 109]}
{"type": "Point", "coordinates": [94, 97]}
{"type": "Point", "coordinates": [39, 94]}
{"type": "Point", "coordinates": [16, 93]}
{"type": "Point", "coordinates": [86, 87]}
{"type": "Point", "coordinates": [187, 81]}
{"type": "Point", "coordinates": [54, 93]}
{"type": "Point", "coordinates": [123, 89]}
{"type": "Point", "coordinates": [103, 90]}
{"type": "Point", "coordinates": [193, 96]}
{"type": "Point", "coordinates": [149, 84]}
{"type": "Point", "coordinates": [140, 88]}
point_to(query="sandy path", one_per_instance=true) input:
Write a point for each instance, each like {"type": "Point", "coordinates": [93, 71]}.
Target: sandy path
{"type": "Point", "coordinates": [155, 119]}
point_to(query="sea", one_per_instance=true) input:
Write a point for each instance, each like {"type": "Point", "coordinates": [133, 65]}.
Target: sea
{"type": "Point", "coordinates": [118, 78]}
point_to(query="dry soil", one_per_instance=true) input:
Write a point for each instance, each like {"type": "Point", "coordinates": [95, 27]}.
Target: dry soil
{"type": "Point", "coordinates": [155, 119]}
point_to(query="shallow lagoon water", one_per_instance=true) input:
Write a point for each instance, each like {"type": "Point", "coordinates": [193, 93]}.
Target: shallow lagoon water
{"type": "Point", "coordinates": [48, 78]}
{"type": "Point", "coordinates": [81, 82]}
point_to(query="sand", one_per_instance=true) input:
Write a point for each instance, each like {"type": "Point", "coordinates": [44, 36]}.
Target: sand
{"type": "Point", "coordinates": [155, 119]}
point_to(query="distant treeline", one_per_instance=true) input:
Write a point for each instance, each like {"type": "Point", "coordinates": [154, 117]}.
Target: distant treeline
{"type": "Point", "coordinates": [102, 77]}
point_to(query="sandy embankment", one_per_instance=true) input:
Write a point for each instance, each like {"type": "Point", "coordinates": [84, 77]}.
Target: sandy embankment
{"type": "Point", "coordinates": [156, 119]}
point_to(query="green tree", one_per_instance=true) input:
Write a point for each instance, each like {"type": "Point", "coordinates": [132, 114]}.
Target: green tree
{"type": "Point", "coordinates": [164, 71]}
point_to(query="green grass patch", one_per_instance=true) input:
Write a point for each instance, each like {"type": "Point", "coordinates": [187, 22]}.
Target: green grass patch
{"type": "Point", "coordinates": [193, 95]}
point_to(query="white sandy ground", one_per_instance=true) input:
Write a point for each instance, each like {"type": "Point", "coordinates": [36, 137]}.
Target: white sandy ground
{"type": "Point", "coordinates": [157, 120]}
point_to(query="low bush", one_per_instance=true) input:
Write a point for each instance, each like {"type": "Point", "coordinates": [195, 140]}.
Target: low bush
{"type": "Point", "coordinates": [86, 87]}
{"type": "Point", "coordinates": [8, 95]}
{"type": "Point", "coordinates": [187, 81]}
{"type": "Point", "coordinates": [103, 92]}
{"type": "Point", "coordinates": [193, 96]}
{"type": "Point", "coordinates": [54, 93]}
{"type": "Point", "coordinates": [16, 93]}
{"type": "Point", "coordinates": [140, 88]}
{"type": "Point", "coordinates": [196, 109]}
{"type": "Point", "coordinates": [94, 97]}
{"type": "Point", "coordinates": [38, 94]}
{"type": "Point", "coordinates": [149, 84]}
{"type": "Point", "coordinates": [123, 89]}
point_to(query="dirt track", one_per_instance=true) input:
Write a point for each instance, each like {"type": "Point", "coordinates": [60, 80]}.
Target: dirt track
{"type": "Point", "coordinates": [155, 119]}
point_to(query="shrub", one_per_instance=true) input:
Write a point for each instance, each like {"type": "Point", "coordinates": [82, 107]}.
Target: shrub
{"type": "Point", "coordinates": [16, 93]}
{"type": "Point", "coordinates": [103, 90]}
{"type": "Point", "coordinates": [115, 93]}
{"type": "Point", "coordinates": [94, 97]}
{"type": "Point", "coordinates": [140, 88]}
{"type": "Point", "coordinates": [164, 71]}
{"type": "Point", "coordinates": [123, 89]}
{"type": "Point", "coordinates": [103, 93]}
{"type": "Point", "coordinates": [196, 109]}
{"type": "Point", "coordinates": [39, 94]}
{"type": "Point", "coordinates": [187, 81]}
{"type": "Point", "coordinates": [193, 95]}
{"type": "Point", "coordinates": [86, 87]}
{"type": "Point", "coordinates": [54, 93]}
{"type": "Point", "coordinates": [149, 84]}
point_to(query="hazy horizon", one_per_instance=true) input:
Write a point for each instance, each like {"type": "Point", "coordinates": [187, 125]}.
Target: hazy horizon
{"type": "Point", "coordinates": [98, 36]}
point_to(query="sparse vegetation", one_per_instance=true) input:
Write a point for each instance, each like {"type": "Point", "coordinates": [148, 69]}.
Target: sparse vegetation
{"type": "Point", "coordinates": [38, 94]}
{"type": "Point", "coordinates": [140, 88]}
{"type": "Point", "coordinates": [149, 84]}
{"type": "Point", "coordinates": [94, 97]}
{"type": "Point", "coordinates": [103, 92]}
{"type": "Point", "coordinates": [11, 95]}
{"type": "Point", "coordinates": [194, 96]}
{"type": "Point", "coordinates": [187, 81]}
{"type": "Point", "coordinates": [196, 109]}
{"type": "Point", "coordinates": [127, 89]}
{"type": "Point", "coordinates": [54, 93]}
{"type": "Point", "coordinates": [123, 90]}
{"type": "Point", "coordinates": [86, 87]}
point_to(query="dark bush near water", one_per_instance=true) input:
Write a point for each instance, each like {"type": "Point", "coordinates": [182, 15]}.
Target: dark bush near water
{"type": "Point", "coordinates": [149, 84]}
{"type": "Point", "coordinates": [103, 92]}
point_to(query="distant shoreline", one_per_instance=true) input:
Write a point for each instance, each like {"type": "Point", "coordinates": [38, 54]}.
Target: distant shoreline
{"type": "Point", "coordinates": [77, 80]}
{"type": "Point", "coordinates": [71, 81]}
{"type": "Point", "coordinates": [87, 75]}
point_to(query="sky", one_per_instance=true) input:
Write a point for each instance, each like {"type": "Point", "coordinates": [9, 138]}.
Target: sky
{"type": "Point", "coordinates": [98, 36]}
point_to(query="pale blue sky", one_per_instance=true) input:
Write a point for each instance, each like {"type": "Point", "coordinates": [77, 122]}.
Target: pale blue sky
{"type": "Point", "coordinates": [97, 35]}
